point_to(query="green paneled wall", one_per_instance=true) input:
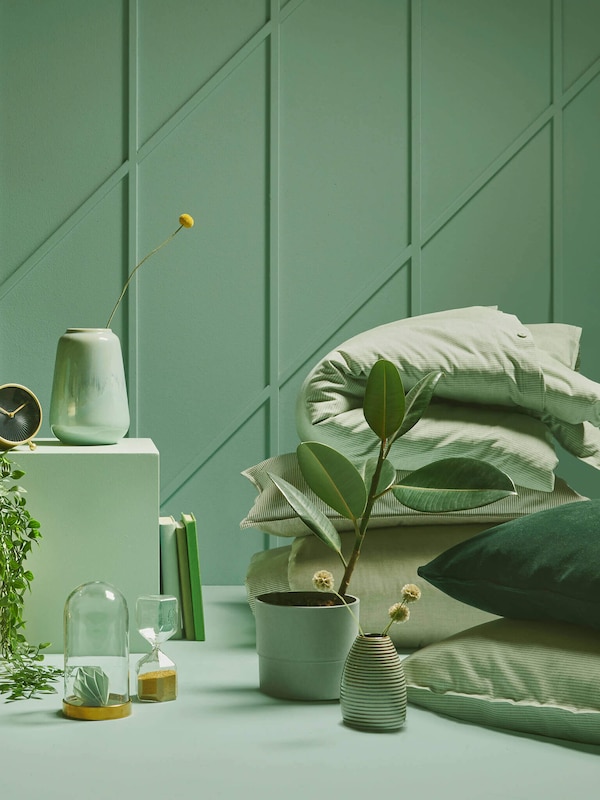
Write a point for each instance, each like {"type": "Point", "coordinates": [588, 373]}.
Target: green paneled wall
{"type": "Point", "coordinates": [348, 162]}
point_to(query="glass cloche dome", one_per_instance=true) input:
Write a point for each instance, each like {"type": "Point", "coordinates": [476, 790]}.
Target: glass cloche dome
{"type": "Point", "coordinates": [96, 628]}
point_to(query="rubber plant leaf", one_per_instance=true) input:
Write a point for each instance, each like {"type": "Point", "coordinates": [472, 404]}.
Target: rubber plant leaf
{"type": "Point", "coordinates": [453, 484]}
{"type": "Point", "coordinates": [387, 476]}
{"type": "Point", "coordinates": [333, 478]}
{"type": "Point", "coordinates": [417, 401]}
{"type": "Point", "coordinates": [90, 686]}
{"type": "Point", "coordinates": [384, 401]}
{"type": "Point", "coordinates": [308, 512]}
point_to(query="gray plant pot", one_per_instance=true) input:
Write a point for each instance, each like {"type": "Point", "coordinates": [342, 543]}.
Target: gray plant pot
{"type": "Point", "coordinates": [301, 647]}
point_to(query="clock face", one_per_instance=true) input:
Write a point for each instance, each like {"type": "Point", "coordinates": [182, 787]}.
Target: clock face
{"type": "Point", "coordinates": [20, 415]}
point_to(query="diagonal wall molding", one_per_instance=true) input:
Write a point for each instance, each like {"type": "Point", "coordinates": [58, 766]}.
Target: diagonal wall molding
{"type": "Point", "coordinates": [282, 69]}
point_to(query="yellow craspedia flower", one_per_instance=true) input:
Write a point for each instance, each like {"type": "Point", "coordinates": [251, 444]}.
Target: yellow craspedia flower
{"type": "Point", "coordinates": [186, 220]}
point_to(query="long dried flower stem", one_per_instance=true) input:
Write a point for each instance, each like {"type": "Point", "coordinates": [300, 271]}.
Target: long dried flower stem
{"type": "Point", "coordinates": [323, 581]}
{"type": "Point", "coordinates": [402, 604]}
{"type": "Point", "coordinates": [186, 222]}
{"type": "Point", "coordinates": [354, 617]}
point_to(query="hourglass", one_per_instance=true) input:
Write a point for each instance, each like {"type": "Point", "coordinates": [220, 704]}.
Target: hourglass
{"type": "Point", "coordinates": [157, 616]}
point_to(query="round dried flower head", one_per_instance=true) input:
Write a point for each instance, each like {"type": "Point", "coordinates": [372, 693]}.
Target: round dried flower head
{"type": "Point", "coordinates": [186, 220]}
{"type": "Point", "coordinates": [399, 612]}
{"type": "Point", "coordinates": [323, 581]}
{"type": "Point", "coordinates": [411, 593]}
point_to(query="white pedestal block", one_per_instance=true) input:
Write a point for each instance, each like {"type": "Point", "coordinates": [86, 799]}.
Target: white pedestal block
{"type": "Point", "coordinates": [98, 508]}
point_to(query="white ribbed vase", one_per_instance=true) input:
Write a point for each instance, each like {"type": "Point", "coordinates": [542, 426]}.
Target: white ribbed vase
{"type": "Point", "coordinates": [373, 687]}
{"type": "Point", "coordinates": [89, 396]}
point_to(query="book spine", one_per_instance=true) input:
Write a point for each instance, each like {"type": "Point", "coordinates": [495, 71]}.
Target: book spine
{"type": "Point", "coordinates": [169, 564]}
{"type": "Point", "coordinates": [184, 580]}
{"type": "Point", "coordinates": [189, 522]}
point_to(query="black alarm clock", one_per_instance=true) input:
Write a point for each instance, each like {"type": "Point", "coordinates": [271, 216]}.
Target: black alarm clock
{"type": "Point", "coordinates": [20, 415]}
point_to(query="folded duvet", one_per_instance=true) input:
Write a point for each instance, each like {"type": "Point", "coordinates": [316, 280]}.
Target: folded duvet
{"type": "Point", "coordinates": [507, 390]}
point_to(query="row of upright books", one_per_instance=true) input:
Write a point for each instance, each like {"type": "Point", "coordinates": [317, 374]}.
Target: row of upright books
{"type": "Point", "coordinates": [180, 573]}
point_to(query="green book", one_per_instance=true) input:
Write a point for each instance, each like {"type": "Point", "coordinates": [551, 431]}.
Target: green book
{"type": "Point", "coordinates": [187, 612]}
{"type": "Point", "coordinates": [189, 521]}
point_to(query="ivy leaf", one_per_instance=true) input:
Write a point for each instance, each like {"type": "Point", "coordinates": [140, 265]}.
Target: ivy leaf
{"type": "Point", "coordinates": [21, 674]}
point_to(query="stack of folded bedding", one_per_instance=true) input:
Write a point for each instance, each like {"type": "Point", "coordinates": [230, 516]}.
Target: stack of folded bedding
{"type": "Point", "coordinates": [508, 390]}
{"type": "Point", "coordinates": [398, 541]}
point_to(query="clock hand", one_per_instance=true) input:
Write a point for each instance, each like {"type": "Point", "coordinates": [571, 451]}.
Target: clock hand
{"type": "Point", "coordinates": [11, 414]}
{"type": "Point", "coordinates": [16, 411]}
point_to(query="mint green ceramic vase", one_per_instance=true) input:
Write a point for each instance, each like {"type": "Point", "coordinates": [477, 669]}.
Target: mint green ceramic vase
{"type": "Point", "coordinates": [89, 404]}
{"type": "Point", "coordinates": [373, 686]}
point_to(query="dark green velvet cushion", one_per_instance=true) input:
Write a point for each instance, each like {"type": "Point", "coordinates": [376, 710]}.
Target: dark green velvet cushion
{"type": "Point", "coordinates": [542, 566]}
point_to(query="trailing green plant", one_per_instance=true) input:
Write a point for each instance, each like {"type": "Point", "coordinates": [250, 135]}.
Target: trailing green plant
{"type": "Point", "coordinates": [450, 484]}
{"type": "Point", "coordinates": [22, 674]}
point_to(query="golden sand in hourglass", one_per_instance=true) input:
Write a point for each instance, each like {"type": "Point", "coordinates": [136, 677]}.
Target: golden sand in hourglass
{"type": "Point", "coordinates": [158, 686]}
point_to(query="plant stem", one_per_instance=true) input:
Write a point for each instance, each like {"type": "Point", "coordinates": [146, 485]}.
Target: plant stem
{"type": "Point", "coordinates": [343, 588]}
{"type": "Point", "coordinates": [364, 521]}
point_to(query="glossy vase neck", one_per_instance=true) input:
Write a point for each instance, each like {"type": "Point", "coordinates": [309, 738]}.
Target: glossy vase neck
{"type": "Point", "coordinates": [87, 330]}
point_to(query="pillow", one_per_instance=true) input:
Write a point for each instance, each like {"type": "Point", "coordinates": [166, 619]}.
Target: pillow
{"type": "Point", "coordinates": [561, 341]}
{"type": "Point", "coordinates": [541, 566]}
{"type": "Point", "coordinates": [536, 677]}
{"type": "Point", "coordinates": [487, 357]}
{"type": "Point", "coordinates": [582, 440]}
{"type": "Point", "coordinates": [389, 559]}
{"type": "Point", "coordinates": [272, 514]}
{"type": "Point", "coordinates": [510, 440]}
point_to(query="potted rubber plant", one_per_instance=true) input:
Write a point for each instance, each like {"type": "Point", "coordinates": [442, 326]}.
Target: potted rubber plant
{"type": "Point", "coordinates": [449, 484]}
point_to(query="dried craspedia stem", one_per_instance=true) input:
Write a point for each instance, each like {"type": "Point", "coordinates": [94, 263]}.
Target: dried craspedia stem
{"type": "Point", "coordinates": [185, 221]}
